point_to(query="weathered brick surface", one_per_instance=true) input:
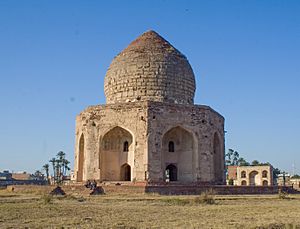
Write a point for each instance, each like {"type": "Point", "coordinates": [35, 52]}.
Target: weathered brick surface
{"type": "Point", "coordinates": [149, 91]}
{"type": "Point", "coordinates": [150, 68]}
{"type": "Point", "coordinates": [148, 122]}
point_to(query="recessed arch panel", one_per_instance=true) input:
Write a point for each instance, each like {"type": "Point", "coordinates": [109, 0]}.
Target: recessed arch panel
{"type": "Point", "coordinates": [178, 148]}
{"type": "Point", "coordinates": [81, 159]}
{"type": "Point", "coordinates": [116, 150]}
{"type": "Point", "coordinates": [218, 160]}
{"type": "Point", "coordinates": [254, 178]}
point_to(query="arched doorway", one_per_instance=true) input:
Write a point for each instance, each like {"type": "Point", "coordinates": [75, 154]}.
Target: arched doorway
{"type": "Point", "coordinates": [171, 172]}
{"type": "Point", "coordinates": [178, 148]}
{"type": "Point", "coordinates": [125, 172]}
{"type": "Point", "coordinates": [253, 178]}
{"type": "Point", "coordinates": [80, 159]}
{"type": "Point", "coordinates": [265, 183]}
{"type": "Point", "coordinates": [116, 150]}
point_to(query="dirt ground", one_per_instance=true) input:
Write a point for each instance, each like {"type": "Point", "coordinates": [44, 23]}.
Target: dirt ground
{"type": "Point", "coordinates": [38, 210]}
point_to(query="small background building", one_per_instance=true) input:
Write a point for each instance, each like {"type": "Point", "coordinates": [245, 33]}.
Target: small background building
{"type": "Point", "coordinates": [5, 175]}
{"type": "Point", "coordinates": [232, 175]}
{"type": "Point", "coordinates": [284, 179]}
{"type": "Point", "coordinates": [288, 180]}
{"type": "Point", "coordinates": [260, 175]}
{"type": "Point", "coordinates": [295, 182]}
{"type": "Point", "coordinates": [22, 176]}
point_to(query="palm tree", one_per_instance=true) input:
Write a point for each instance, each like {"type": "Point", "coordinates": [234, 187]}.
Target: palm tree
{"type": "Point", "coordinates": [61, 155]}
{"type": "Point", "coordinates": [60, 166]}
{"type": "Point", "coordinates": [65, 166]}
{"type": "Point", "coordinates": [46, 168]}
{"type": "Point", "coordinates": [58, 170]}
{"type": "Point", "coordinates": [53, 162]}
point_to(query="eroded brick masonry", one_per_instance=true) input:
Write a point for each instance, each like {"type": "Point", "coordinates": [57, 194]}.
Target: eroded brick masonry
{"type": "Point", "coordinates": [150, 130]}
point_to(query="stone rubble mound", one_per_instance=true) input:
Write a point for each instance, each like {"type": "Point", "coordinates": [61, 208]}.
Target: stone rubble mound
{"type": "Point", "coordinates": [97, 191]}
{"type": "Point", "coordinates": [58, 191]}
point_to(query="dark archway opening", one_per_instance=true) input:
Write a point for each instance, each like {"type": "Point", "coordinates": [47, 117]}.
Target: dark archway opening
{"type": "Point", "coordinates": [171, 172]}
{"type": "Point", "coordinates": [265, 183]}
{"type": "Point", "coordinates": [126, 172]}
{"type": "Point", "coordinates": [125, 146]}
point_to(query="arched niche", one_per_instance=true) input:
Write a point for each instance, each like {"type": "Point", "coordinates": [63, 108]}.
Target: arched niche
{"type": "Point", "coordinates": [253, 178]}
{"type": "Point", "coordinates": [80, 159]}
{"type": "Point", "coordinates": [116, 150]}
{"type": "Point", "coordinates": [244, 183]}
{"type": "Point", "coordinates": [265, 174]}
{"type": "Point", "coordinates": [125, 172]}
{"type": "Point", "coordinates": [178, 148]}
{"type": "Point", "coordinates": [243, 174]}
{"type": "Point", "coordinates": [218, 160]}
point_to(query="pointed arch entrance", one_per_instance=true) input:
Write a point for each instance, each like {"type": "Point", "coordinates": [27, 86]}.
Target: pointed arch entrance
{"type": "Point", "coordinates": [217, 160]}
{"type": "Point", "coordinates": [116, 155]}
{"type": "Point", "coordinates": [80, 159]}
{"type": "Point", "coordinates": [171, 172]}
{"type": "Point", "coordinates": [253, 178]}
{"type": "Point", "coordinates": [178, 154]}
{"type": "Point", "coordinates": [125, 172]}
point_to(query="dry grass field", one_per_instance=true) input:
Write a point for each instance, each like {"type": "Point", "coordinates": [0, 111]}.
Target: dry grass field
{"type": "Point", "coordinates": [37, 210]}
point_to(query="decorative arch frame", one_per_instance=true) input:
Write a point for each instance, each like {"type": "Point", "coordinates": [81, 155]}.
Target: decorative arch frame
{"type": "Point", "coordinates": [217, 176]}
{"type": "Point", "coordinates": [243, 174]}
{"type": "Point", "coordinates": [264, 174]}
{"type": "Point", "coordinates": [81, 158]}
{"type": "Point", "coordinates": [253, 178]}
{"type": "Point", "coordinates": [101, 148]}
{"type": "Point", "coordinates": [195, 155]}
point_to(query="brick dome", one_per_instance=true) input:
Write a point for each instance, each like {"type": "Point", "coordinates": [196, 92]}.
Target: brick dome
{"type": "Point", "coordinates": [150, 68]}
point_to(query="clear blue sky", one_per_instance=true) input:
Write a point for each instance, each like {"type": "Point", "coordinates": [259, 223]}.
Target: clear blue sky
{"type": "Point", "coordinates": [54, 55]}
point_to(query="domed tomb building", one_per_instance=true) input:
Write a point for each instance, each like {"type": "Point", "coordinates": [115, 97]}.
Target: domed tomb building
{"type": "Point", "coordinates": [150, 130]}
